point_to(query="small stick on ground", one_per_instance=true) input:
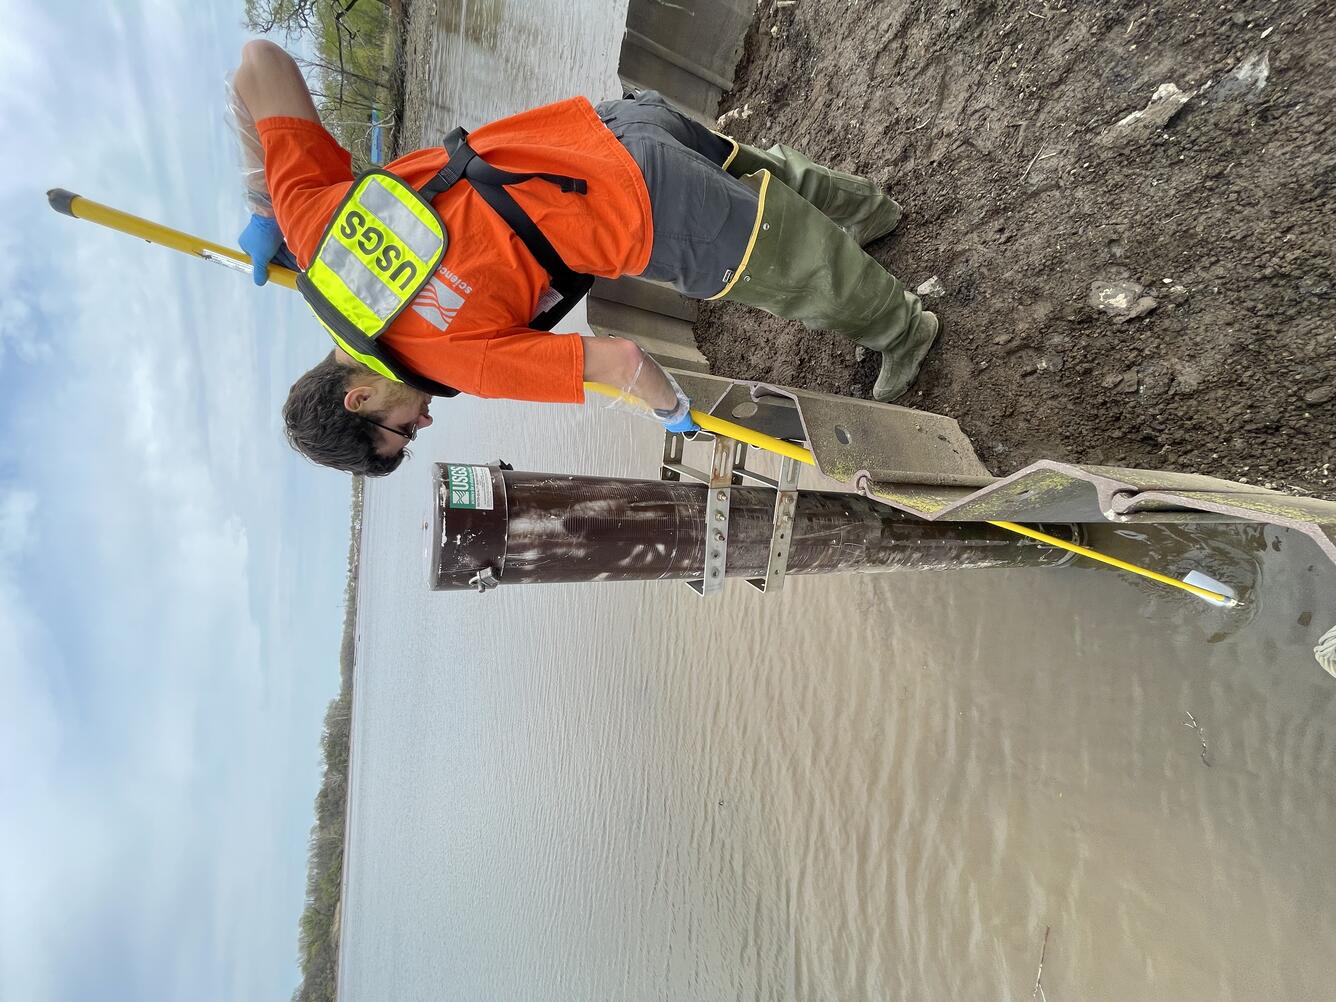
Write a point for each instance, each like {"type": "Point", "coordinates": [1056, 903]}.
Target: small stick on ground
{"type": "Point", "coordinates": [926, 121]}
{"type": "Point", "coordinates": [1039, 974]}
{"type": "Point", "coordinates": [1201, 736]}
{"type": "Point", "coordinates": [1034, 161]}
{"type": "Point", "coordinates": [1042, 17]}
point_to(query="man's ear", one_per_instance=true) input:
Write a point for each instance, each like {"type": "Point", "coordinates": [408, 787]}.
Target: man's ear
{"type": "Point", "coordinates": [356, 398]}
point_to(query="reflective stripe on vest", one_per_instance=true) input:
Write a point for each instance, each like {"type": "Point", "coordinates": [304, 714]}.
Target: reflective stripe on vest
{"type": "Point", "coordinates": [381, 247]}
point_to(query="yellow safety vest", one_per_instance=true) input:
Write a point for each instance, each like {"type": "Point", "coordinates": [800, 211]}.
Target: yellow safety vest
{"type": "Point", "coordinates": [381, 247]}
{"type": "Point", "coordinates": [386, 240]}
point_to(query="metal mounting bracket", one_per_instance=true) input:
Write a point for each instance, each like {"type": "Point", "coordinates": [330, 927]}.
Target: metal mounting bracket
{"type": "Point", "coordinates": [719, 483]}
{"type": "Point", "coordinates": [717, 498]}
{"type": "Point", "coordinates": [786, 500]}
{"type": "Point", "coordinates": [727, 470]}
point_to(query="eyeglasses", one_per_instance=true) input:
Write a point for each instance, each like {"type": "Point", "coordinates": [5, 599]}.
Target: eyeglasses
{"type": "Point", "coordinates": [408, 436]}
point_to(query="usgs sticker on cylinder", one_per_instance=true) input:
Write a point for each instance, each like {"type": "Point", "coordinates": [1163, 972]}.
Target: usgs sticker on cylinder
{"type": "Point", "coordinates": [468, 487]}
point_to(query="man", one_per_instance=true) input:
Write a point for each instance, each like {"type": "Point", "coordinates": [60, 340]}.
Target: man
{"type": "Point", "coordinates": [628, 188]}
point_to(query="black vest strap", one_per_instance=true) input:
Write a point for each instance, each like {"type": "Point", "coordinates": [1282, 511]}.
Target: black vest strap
{"type": "Point", "coordinates": [490, 183]}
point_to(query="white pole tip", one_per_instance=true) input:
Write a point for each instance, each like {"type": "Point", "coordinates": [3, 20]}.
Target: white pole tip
{"type": "Point", "coordinates": [1200, 580]}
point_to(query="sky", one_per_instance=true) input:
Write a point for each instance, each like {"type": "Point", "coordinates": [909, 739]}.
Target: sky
{"type": "Point", "coordinates": [171, 574]}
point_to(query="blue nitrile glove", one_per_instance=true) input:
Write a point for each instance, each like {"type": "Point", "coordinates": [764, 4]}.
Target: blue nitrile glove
{"type": "Point", "coordinates": [679, 418]}
{"type": "Point", "coordinates": [263, 241]}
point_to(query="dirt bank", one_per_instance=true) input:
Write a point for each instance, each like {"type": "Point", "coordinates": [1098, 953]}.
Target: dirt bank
{"type": "Point", "coordinates": [994, 125]}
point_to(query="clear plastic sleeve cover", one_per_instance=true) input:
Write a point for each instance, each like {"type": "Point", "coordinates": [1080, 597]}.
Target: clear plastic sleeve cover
{"type": "Point", "coordinates": [251, 152]}
{"type": "Point", "coordinates": [629, 401]}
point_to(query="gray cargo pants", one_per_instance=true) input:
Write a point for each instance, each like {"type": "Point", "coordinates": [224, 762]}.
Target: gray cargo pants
{"type": "Point", "coordinates": [703, 216]}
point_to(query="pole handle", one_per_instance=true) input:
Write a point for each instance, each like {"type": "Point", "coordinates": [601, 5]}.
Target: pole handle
{"type": "Point", "coordinates": [62, 201]}
{"type": "Point", "coordinates": [69, 204]}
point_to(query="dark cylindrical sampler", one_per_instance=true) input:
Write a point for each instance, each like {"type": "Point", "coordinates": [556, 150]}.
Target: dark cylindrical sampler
{"type": "Point", "coordinates": [494, 525]}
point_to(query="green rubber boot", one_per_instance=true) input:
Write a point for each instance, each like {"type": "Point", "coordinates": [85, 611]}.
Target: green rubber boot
{"type": "Point", "coordinates": [853, 202]}
{"type": "Point", "coordinates": [801, 266]}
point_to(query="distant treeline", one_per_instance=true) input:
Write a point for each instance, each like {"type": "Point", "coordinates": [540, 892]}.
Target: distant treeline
{"type": "Point", "coordinates": [318, 940]}
{"type": "Point", "coordinates": [356, 66]}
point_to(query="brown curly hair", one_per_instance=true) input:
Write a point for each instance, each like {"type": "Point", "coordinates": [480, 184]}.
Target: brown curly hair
{"type": "Point", "coordinates": [325, 432]}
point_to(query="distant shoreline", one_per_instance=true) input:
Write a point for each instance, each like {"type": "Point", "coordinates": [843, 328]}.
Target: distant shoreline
{"type": "Point", "coordinates": [321, 925]}
{"type": "Point", "coordinates": [322, 919]}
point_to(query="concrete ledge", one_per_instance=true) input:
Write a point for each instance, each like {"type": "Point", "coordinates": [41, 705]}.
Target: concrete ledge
{"type": "Point", "coordinates": [669, 339]}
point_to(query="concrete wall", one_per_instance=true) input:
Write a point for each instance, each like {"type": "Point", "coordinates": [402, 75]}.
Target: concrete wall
{"type": "Point", "coordinates": [686, 50]}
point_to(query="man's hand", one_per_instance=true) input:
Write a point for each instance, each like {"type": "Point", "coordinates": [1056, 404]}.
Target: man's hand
{"type": "Point", "coordinates": [263, 241]}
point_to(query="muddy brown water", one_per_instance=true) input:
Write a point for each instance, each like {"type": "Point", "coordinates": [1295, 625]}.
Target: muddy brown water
{"type": "Point", "coordinates": [867, 787]}
{"type": "Point", "coordinates": [860, 788]}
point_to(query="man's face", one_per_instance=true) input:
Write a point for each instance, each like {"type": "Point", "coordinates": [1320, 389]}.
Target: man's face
{"type": "Point", "coordinates": [400, 409]}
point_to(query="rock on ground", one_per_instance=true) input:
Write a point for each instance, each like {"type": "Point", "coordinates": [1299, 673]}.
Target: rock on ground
{"type": "Point", "coordinates": [1245, 80]}
{"type": "Point", "coordinates": [1123, 301]}
{"type": "Point", "coordinates": [931, 289]}
{"type": "Point", "coordinates": [1141, 125]}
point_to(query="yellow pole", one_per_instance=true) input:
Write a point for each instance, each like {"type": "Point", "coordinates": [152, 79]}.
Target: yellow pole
{"type": "Point", "coordinates": [725, 429]}
{"type": "Point", "coordinates": [155, 233]}
{"type": "Point", "coordinates": [1104, 558]}
{"type": "Point", "coordinates": [82, 208]}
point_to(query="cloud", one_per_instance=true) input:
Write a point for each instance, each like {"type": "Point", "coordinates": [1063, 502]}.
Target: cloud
{"type": "Point", "coordinates": [163, 668]}
{"type": "Point", "coordinates": [21, 330]}
{"type": "Point", "coordinates": [31, 738]}
{"type": "Point", "coordinates": [16, 511]}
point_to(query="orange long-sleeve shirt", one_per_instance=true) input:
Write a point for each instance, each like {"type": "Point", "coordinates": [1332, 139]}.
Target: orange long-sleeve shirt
{"type": "Point", "coordinates": [469, 326]}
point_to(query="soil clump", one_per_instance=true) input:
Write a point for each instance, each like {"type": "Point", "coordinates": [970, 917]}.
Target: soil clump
{"type": "Point", "coordinates": [1128, 210]}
